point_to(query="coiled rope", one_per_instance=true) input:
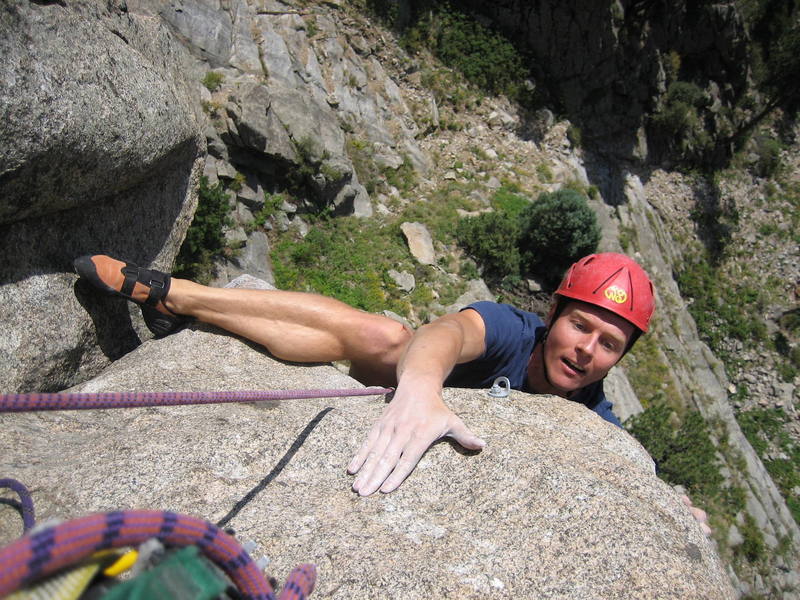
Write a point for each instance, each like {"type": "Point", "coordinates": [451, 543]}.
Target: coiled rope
{"type": "Point", "coordinates": [25, 502]}
{"type": "Point", "coordinates": [48, 550]}
{"type": "Point", "coordinates": [98, 400]}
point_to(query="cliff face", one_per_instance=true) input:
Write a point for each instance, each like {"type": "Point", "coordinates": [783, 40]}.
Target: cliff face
{"type": "Point", "coordinates": [107, 157]}
{"type": "Point", "coordinates": [608, 64]}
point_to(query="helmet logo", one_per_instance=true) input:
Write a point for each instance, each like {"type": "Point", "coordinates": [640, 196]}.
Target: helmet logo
{"type": "Point", "coordinates": [616, 294]}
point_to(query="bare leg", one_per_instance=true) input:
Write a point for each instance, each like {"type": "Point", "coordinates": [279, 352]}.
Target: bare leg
{"type": "Point", "coordinates": [298, 326]}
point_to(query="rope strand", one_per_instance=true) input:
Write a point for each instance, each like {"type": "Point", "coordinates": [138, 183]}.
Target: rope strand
{"type": "Point", "coordinates": [98, 400]}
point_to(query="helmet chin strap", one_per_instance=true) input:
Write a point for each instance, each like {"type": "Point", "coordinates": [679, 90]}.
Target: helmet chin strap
{"type": "Point", "coordinates": [544, 362]}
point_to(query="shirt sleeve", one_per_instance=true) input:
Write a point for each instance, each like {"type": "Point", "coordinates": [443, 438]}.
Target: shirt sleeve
{"type": "Point", "coordinates": [603, 409]}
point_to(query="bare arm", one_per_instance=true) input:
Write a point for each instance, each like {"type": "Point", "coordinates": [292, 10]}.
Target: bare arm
{"type": "Point", "coordinates": [417, 415]}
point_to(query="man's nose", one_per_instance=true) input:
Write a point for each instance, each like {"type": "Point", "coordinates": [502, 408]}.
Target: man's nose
{"type": "Point", "coordinates": [587, 344]}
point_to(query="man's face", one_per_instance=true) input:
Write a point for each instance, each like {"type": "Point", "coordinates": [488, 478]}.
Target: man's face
{"type": "Point", "coordinates": [584, 343]}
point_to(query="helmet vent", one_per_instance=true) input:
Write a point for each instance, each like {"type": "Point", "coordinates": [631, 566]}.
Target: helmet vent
{"type": "Point", "coordinates": [605, 282]}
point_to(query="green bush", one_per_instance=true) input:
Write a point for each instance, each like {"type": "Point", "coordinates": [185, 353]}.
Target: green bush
{"type": "Point", "coordinates": [768, 151]}
{"type": "Point", "coordinates": [752, 547]}
{"type": "Point", "coordinates": [686, 92]}
{"type": "Point", "coordinates": [404, 177]}
{"type": "Point", "coordinates": [205, 238]}
{"type": "Point", "coordinates": [679, 124]}
{"type": "Point", "coordinates": [484, 56]}
{"type": "Point", "coordinates": [556, 230]}
{"type": "Point", "coordinates": [491, 239]}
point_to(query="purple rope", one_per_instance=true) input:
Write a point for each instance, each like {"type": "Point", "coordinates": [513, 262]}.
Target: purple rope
{"type": "Point", "coordinates": [37, 555]}
{"type": "Point", "coordinates": [26, 502]}
{"type": "Point", "coordinates": [91, 401]}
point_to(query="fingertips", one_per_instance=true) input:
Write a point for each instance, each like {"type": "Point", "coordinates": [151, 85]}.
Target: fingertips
{"type": "Point", "coordinates": [474, 443]}
{"type": "Point", "coordinates": [355, 464]}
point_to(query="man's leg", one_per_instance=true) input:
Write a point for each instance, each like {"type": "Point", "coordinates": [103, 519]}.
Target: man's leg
{"type": "Point", "coordinates": [293, 326]}
{"type": "Point", "coordinates": [298, 326]}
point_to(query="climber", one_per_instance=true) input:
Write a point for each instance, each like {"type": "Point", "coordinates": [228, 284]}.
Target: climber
{"type": "Point", "coordinates": [601, 307]}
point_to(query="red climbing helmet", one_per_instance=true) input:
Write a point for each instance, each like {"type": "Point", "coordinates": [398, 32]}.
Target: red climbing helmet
{"type": "Point", "coordinates": [614, 282]}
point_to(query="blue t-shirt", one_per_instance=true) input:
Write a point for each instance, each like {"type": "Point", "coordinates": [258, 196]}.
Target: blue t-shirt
{"type": "Point", "coordinates": [511, 335]}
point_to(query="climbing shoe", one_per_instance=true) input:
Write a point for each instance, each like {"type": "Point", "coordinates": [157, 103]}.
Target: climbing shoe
{"type": "Point", "coordinates": [146, 287]}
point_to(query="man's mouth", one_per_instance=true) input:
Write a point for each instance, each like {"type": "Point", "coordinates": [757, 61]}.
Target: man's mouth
{"type": "Point", "coordinates": [573, 366]}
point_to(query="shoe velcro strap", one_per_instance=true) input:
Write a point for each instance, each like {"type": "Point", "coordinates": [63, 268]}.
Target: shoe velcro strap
{"type": "Point", "coordinates": [131, 277]}
{"type": "Point", "coordinates": [159, 286]}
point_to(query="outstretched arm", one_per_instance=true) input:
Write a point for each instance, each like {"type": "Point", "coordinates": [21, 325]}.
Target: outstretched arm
{"type": "Point", "coordinates": [417, 416]}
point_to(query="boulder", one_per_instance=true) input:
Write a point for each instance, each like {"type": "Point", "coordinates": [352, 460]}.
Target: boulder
{"type": "Point", "coordinates": [560, 504]}
{"type": "Point", "coordinates": [477, 291]}
{"type": "Point", "coordinates": [252, 258]}
{"type": "Point", "coordinates": [420, 243]}
{"type": "Point", "coordinates": [100, 150]}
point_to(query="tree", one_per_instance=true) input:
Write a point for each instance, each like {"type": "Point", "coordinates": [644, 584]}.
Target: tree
{"type": "Point", "coordinates": [557, 229]}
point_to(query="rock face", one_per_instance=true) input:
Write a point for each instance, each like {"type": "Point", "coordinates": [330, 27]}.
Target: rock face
{"type": "Point", "coordinates": [700, 378]}
{"type": "Point", "coordinates": [293, 86]}
{"type": "Point", "coordinates": [609, 62]}
{"type": "Point", "coordinates": [99, 150]}
{"type": "Point", "coordinates": [560, 504]}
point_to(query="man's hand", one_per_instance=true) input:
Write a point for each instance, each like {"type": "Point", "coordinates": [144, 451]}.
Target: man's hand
{"type": "Point", "coordinates": [409, 425]}
{"type": "Point", "coordinates": [699, 515]}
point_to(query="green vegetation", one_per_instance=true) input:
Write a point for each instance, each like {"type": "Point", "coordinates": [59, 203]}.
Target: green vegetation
{"type": "Point", "coordinates": [344, 258]}
{"type": "Point", "coordinates": [205, 238]}
{"type": "Point", "coordinates": [544, 172]}
{"type": "Point", "coordinates": [272, 203]}
{"type": "Point", "coordinates": [543, 237]}
{"type": "Point", "coordinates": [404, 178]}
{"type": "Point", "coordinates": [556, 230]}
{"type": "Point", "coordinates": [492, 240]}
{"type": "Point", "coordinates": [509, 201]}
{"type": "Point", "coordinates": [679, 124]}
{"type": "Point", "coordinates": [685, 454]}
{"type": "Point", "coordinates": [764, 429]}
{"type": "Point", "coordinates": [311, 27]}
{"type": "Point", "coordinates": [627, 234]}
{"type": "Point", "coordinates": [768, 153]}
{"type": "Point", "coordinates": [213, 80]}
{"type": "Point", "coordinates": [349, 258]}
{"type": "Point", "coordinates": [775, 31]}
{"type": "Point", "coordinates": [649, 372]}
{"type": "Point", "coordinates": [440, 211]}
{"type": "Point", "coordinates": [375, 178]}
{"type": "Point", "coordinates": [484, 56]}
{"type": "Point", "coordinates": [575, 136]}
{"type": "Point", "coordinates": [723, 310]}
{"type": "Point", "coordinates": [683, 446]}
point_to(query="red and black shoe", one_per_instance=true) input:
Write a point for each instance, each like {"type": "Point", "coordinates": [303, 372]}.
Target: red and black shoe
{"type": "Point", "coordinates": [146, 287]}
